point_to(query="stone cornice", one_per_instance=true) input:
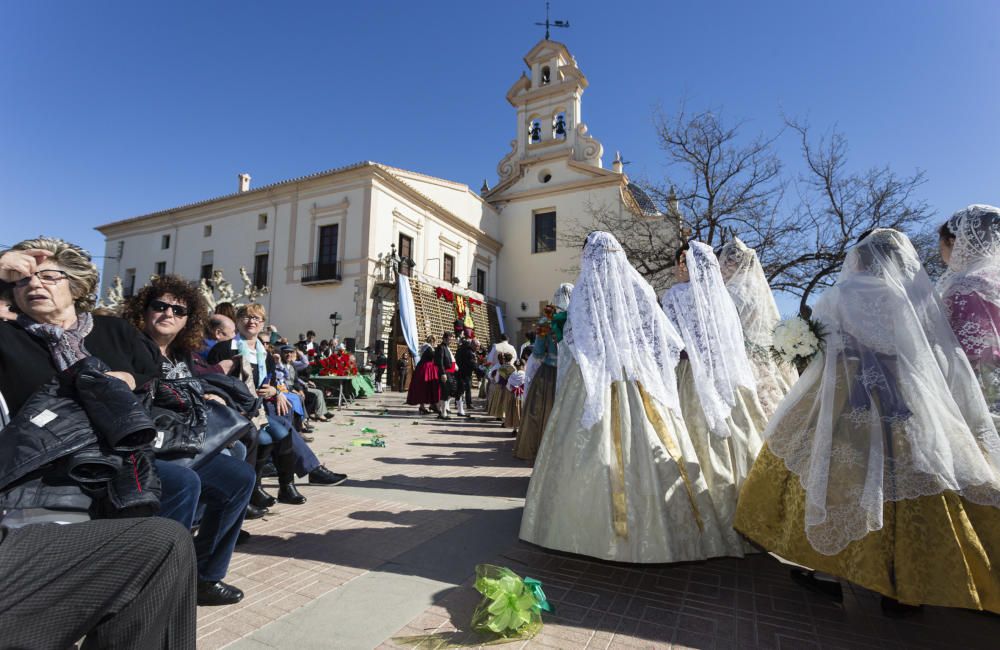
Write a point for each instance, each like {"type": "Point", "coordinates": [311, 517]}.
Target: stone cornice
{"type": "Point", "coordinates": [413, 223]}
{"type": "Point", "coordinates": [603, 181]}
{"type": "Point", "coordinates": [482, 237]}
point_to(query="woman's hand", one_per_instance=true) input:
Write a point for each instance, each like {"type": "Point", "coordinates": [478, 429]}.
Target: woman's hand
{"type": "Point", "coordinates": [215, 398]}
{"type": "Point", "coordinates": [15, 265]}
{"type": "Point", "coordinates": [124, 376]}
{"type": "Point", "coordinates": [267, 391]}
{"type": "Point", "coordinates": [282, 404]}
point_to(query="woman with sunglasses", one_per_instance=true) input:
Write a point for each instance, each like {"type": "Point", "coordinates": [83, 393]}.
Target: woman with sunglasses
{"type": "Point", "coordinates": [171, 312]}
{"type": "Point", "coordinates": [52, 285]}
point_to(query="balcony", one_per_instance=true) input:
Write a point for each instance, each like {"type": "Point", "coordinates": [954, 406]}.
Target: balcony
{"type": "Point", "coordinates": [321, 272]}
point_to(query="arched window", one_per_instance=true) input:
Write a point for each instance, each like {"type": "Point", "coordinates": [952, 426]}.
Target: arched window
{"type": "Point", "coordinates": [559, 126]}
{"type": "Point", "coordinates": [546, 76]}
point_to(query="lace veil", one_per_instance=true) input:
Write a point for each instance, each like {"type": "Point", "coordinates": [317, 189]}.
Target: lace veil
{"type": "Point", "coordinates": [562, 295]}
{"type": "Point", "coordinates": [747, 284]}
{"type": "Point", "coordinates": [616, 331]}
{"type": "Point", "coordinates": [891, 410]}
{"type": "Point", "coordinates": [706, 318]}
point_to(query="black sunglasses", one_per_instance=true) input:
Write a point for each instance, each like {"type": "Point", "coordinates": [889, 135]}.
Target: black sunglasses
{"type": "Point", "coordinates": [159, 307]}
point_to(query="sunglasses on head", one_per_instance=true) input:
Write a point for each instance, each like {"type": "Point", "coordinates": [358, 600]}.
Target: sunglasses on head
{"type": "Point", "coordinates": [160, 307]}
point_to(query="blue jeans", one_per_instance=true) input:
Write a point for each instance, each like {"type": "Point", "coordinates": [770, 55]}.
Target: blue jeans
{"type": "Point", "coordinates": [224, 485]}
{"type": "Point", "coordinates": [277, 429]}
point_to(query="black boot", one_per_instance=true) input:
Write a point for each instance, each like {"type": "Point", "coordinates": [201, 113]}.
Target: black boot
{"type": "Point", "coordinates": [260, 498]}
{"type": "Point", "coordinates": [288, 493]}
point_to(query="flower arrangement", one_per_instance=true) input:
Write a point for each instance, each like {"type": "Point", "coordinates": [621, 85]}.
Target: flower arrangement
{"type": "Point", "coordinates": [511, 607]}
{"type": "Point", "coordinates": [797, 340]}
{"type": "Point", "coordinates": [339, 364]}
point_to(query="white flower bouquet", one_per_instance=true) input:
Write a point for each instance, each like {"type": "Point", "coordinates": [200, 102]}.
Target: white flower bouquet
{"type": "Point", "coordinates": [797, 341]}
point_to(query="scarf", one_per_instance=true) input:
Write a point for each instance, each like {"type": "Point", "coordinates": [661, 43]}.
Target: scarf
{"type": "Point", "coordinates": [66, 345]}
{"type": "Point", "coordinates": [256, 357]}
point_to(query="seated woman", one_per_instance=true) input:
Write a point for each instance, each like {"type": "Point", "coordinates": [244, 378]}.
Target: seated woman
{"type": "Point", "coordinates": [171, 312]}
{"type": "Point", "coordinates": [279, 439]}
{"type": "Point", "coordinates": [882, 465]}
{"type": "Point", "coordinates": [54, 283]}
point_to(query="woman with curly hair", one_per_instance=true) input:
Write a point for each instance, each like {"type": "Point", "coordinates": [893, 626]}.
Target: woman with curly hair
{"type": "Point", "coordinates": [172, 313]}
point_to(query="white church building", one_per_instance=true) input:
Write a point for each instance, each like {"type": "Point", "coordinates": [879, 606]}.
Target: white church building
{"type": "Point", "coordinates": [318, 242]}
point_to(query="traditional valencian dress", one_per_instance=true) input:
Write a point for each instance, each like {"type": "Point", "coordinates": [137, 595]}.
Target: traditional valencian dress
{"type": "Point", "coordinates": [616, 477]}
{"type": "Point", "coordinates": [882, 465]}
{"type": "Point", "coordinates": [747, 284]}
{"type": "Point", "coordinates": [499, 405]}
{"type": "Point", "coordinates": [512, 411]}
{"type": "Point", "coordinates": [716, 384]}
{"type": "Point", "coordinates": [970, 289]}
{"type": "Point", "coordinates": [425, 387]}
{"type": "Point", "coordinates": [540, 378]}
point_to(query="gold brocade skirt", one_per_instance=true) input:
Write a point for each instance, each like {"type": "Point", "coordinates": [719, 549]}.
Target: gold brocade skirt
{"type": "Point", "coordinates": [535, 412]}
{"type": "Point", "coordinates": [495, 403]}
{"type": "Point", "coordinates": [936, 550]}
{"type": "Point", "coordinates": [511, 411]}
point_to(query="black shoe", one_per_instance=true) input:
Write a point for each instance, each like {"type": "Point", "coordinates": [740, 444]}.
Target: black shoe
{"type": "Point", "coordinates": [322, 476]}
{"type": "Point", "coordinates": [217, 593]}
{"type": "Point", "coordinates": [829, 588]}
{"type": "Point", "coordinates": [269, 470]}
{"type": "Point", "coordinates": [254, 512]}
{"type": "Point", "coordinates": [261, 499]}
{"type": "Point", "coordinates": [289, 494]}
{"type": "Point", "coordinates": [895, 609]}
{"type": "Point", "coordinates": [328, 417]}
{"type": "Point", "coordinates": [243, 537]}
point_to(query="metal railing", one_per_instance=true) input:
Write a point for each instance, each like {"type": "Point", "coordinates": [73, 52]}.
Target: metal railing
{"type": "Point", "coordinates": [321, 272]}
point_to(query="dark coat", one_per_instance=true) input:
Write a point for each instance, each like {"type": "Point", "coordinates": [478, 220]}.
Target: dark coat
{"type": "Point", "coordinates": [84, 429]}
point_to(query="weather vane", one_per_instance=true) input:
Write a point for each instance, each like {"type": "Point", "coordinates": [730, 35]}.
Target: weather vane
{"type": "Point", "coordinates": [552, 23]}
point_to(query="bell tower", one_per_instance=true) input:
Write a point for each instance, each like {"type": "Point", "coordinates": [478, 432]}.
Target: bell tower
{"type": "Point", "coordinates": [549, 121]}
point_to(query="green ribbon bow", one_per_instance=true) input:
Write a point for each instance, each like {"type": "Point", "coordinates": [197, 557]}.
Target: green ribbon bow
{"type": "Point", "coordinates": [536, 590]}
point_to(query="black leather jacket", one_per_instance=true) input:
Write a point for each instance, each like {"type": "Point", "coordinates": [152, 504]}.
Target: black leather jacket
{"type": "Point", "coordinates": [83, 435]}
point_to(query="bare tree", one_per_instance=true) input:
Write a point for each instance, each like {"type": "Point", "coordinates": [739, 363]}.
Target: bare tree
{"type": "Point", "coordinates": [718, 183]}
{"type": "Point", "coordinates": [836, 207]}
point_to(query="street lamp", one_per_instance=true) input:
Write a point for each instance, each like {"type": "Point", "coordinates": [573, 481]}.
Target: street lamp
{"type": "Point", "coordinates": [335, 320]}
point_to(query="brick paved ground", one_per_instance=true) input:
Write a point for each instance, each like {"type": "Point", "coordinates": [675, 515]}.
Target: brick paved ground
{"type": "Point", "coordinates": [445, 483]}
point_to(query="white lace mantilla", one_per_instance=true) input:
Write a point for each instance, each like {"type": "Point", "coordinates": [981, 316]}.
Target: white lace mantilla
{"type": "Point", "coordinates": [706, 318]}
{"type": "Point", "coordinates": [615, 329]}
{"type": "Point", "coordinates": [751, 293]}
{"type": "Point", "coordinates": [891, 410]}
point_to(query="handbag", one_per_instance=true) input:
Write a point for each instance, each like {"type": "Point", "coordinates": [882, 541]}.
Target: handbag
{"type": "Point", "coordinates": [224, 425]}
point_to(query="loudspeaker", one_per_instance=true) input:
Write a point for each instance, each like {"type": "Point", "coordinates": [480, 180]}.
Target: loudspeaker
{"type": "Point", "coordinates": [349, 344]}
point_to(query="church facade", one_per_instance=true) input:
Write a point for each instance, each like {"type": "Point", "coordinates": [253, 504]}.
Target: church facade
{"type": "Point", "coordinates": [321, 243]}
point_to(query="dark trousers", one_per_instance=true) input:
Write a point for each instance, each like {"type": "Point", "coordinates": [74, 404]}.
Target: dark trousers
{"type": "Point", "coordinates": [224, 485]}
{"type": "Point", "coordinates": [124, 583]}
{"type": "Point", "coordinates": [465, 387]}
{"type": "Point", "coordinates": [305, 459]}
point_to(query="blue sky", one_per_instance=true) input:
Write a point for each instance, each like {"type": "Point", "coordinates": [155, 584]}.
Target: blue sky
{"type": "Point", "coordinates": [113, 109]}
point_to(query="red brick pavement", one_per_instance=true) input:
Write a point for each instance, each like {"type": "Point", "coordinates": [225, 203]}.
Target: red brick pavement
{"type": "Point", "coordinates": [300, 553]}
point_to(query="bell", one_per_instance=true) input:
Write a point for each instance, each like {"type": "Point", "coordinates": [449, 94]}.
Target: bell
{"type": "Point", "coordinates": [560, 126]}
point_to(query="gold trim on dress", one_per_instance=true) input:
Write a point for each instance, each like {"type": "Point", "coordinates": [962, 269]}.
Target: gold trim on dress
{"type": "Point", "coordinates": [656, 419]}
{"type": "Point", "coordinates": [619, 508]}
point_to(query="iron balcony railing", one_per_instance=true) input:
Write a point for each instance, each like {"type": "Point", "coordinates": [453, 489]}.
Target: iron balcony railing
{"type": "Point", "coordinates": [321, 272]}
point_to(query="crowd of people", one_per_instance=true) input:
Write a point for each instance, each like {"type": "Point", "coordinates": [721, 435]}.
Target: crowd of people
{"type": "Point", "coordinates": [665, 429]}
{"type": "Point", "coordinates": [661, 429]}
{"type": "Point", "coordinates": [170, 409]}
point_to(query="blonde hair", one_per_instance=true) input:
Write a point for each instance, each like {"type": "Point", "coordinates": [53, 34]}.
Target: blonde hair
{"type": "Point", "coordinates": [253, 309]}
{"type": "Point", "coordinates": [81, 272]}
